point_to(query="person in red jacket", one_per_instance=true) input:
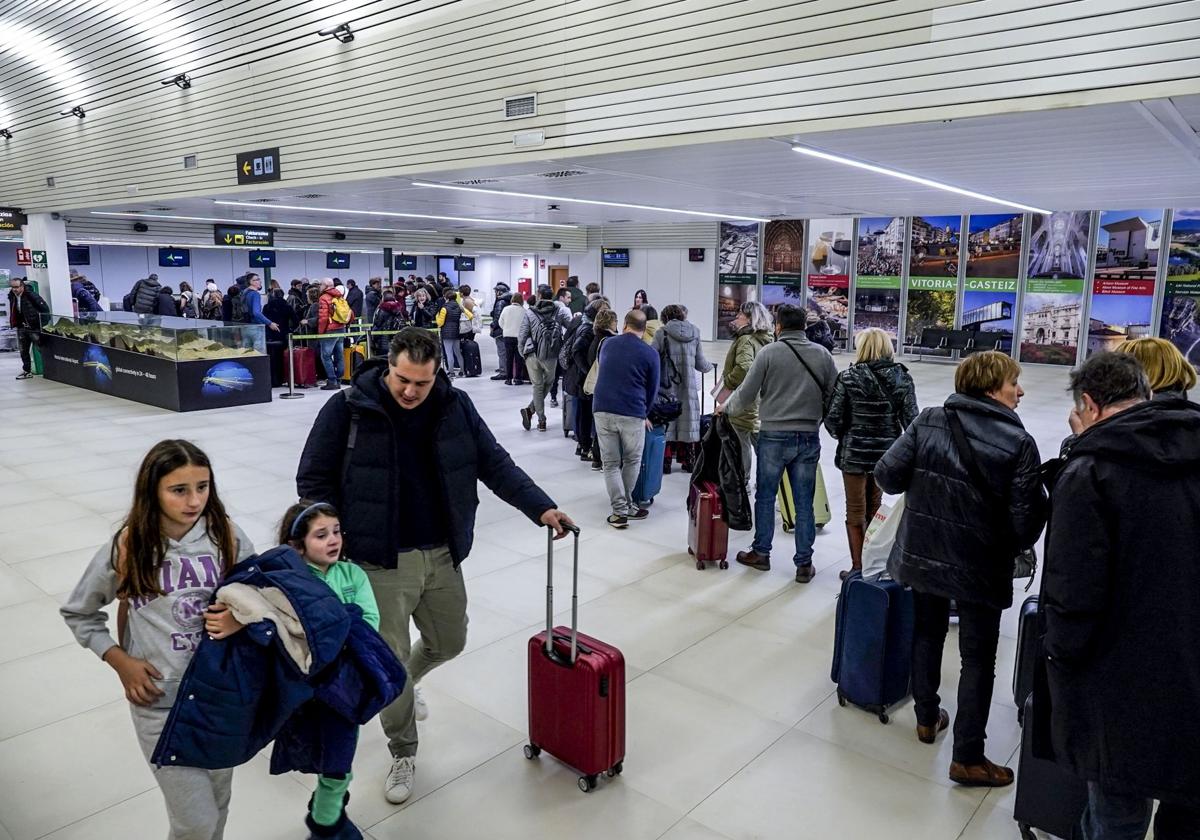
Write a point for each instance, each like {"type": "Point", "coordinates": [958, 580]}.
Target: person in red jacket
{"type": "Point", "coordinates": [330, 348]}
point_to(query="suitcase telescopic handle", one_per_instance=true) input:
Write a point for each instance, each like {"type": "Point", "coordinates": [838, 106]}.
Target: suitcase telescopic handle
{"type": "Point", "coordinates": [550, 592]}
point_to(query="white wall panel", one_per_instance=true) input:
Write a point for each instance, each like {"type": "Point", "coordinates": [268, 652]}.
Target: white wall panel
{"type": "Point", "coordinates": [221, 265]}
{"type": "Point", "coordinates": [420, 88]}
{"type": "Point", "coordinates": [120, 268]}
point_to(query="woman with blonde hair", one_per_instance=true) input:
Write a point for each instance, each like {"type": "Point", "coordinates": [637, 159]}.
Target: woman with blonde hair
{"type": "Point", "coordinates": [1171, 375]}
{"type": "Point", "coordinates": [873, 402]}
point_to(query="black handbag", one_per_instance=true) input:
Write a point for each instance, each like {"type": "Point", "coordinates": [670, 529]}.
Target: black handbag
{"type": "Point", "coordinates": [665, 409]}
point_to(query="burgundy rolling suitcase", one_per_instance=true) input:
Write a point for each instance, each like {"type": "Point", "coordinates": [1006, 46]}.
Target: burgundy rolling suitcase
{"type": "Point", "coordinates": [708, 534]}
{"type": "Point", "coordinates": [303, 362]}
{"type": "Point", "coordinates": [576, 690]}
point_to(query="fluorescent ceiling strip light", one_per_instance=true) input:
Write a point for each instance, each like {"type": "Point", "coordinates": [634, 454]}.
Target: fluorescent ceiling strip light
{"type": "Point", "coordinates": [177, 243]}
{"type": "Point", "coordinates": [592, 201]}
{"type": "Point", "coordinates": [394, 214]}
{"type": "Point", "coordinates": [253, 222]}
{"type": "Point", "coordinates": [916, 179]}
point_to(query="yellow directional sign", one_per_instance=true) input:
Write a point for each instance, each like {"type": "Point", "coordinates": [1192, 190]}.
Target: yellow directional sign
{"type": "Point", "coordinates": [254, 236]}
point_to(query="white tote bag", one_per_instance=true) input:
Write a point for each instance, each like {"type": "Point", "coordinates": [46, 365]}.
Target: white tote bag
{"type": "Point", "coordinates": [879, 539]}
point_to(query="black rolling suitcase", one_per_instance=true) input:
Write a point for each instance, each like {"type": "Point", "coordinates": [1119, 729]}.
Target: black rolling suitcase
{"type": "Point", "coordinates": [472, 365]}
{"type": "Point", "coordinates": [1048, 798]}
{"type": "Point", "coordinates": [1029, 650]}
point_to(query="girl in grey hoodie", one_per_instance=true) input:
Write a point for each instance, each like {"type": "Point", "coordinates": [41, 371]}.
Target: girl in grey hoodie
{"type": "Point", "coordinates": [163, 566]}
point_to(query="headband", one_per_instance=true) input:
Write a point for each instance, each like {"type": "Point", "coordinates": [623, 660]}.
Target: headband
{"type": "Point", "coordinates": [300, 518]}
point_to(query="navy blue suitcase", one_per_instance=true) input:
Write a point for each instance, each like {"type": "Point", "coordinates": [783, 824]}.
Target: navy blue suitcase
{"type": "Point", "coordinates": [650, 475]}
{"type": "Point", "coordinates": [872, 644]}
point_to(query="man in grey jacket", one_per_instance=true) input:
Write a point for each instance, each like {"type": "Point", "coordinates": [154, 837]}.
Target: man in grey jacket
{"type": "Point", "coordinates": [793, 378]}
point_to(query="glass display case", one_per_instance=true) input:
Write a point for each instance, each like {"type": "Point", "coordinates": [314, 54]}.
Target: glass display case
{"type": "Point", "coordinates": [177, 339]}
{"type": "Point", "coordinates": [182, 364]}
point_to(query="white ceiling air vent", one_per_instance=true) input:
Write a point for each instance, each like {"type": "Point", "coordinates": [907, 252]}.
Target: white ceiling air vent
{"type": "Point", "coordinates": [475, 182]}
{"type": "Point", "coordinates": [520, 107]}
{"type": "Point", "coordinates": [311, 195]}
{"type": "Point", "coordinates": [263, 200]}
{"type": "Point", "coordinates": [562, 173]}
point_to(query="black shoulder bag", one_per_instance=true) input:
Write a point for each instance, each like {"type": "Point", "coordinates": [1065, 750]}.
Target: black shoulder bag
{"type": "Point", "coordinates": [1025, 562]}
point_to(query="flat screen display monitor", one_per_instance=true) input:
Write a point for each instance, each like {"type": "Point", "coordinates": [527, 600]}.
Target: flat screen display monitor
{"type": "Point", "coordinates": [174, 257]}
{"type": "Point", "coordinates": [464, 263]}
{"type": "Point", "coordinates": [335, 259]}
{"type": "Point", "coordinates": [615, 257]}
{"type": "Point", "coordinates": [695, 255]}
{"type": "Point", "coordinates": [79, 255]}
{"type": "Point", "coordinates": [405, 263]}
{"type": "Point", "coordinates": [262, 259]}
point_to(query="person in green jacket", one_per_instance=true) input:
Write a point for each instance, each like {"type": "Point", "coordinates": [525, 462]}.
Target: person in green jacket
{"type": "Point", "coordinates": [315, 531]}
{"type": "Point", "coordinates": [753, 329]}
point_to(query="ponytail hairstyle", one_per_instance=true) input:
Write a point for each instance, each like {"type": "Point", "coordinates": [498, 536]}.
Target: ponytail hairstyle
{"type": "Point", "coordinates": [139, 547]}
{"type": "Point", "coordinates": [293, 528]}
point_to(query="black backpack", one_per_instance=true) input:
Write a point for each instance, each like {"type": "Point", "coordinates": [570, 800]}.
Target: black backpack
{"type": "Point", "coordinates": [239, 309]}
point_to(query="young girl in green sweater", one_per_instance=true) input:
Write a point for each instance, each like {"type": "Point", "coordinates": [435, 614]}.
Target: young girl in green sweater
{"type": "Point", "coordinates": [315, 531]}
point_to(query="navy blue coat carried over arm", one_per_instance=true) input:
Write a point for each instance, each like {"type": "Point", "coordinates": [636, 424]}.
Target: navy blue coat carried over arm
{"type": "Point", "coordinates": [366, 484]}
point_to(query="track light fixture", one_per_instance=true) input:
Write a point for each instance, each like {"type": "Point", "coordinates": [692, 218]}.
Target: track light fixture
{"type": "Point", "coordinates": [341, 32]}
{"type": "Point", "coordinates": [76, 111]}
{"type": "Point", "coordinates": [5, 133]}
{"type": "Point", "coordinates": [182, 81]}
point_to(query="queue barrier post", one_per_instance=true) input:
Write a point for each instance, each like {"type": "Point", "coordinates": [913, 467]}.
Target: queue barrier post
{"type": "Point", "coordinates": [291, 391]}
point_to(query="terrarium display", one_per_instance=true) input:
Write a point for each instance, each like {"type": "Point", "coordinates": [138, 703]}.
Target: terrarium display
{"type": "Point", "coordinates": [177, 339]}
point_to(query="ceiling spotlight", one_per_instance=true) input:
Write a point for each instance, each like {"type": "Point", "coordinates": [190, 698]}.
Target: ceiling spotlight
{"type": "Point", "coordinates": [182, 81]}
{"type": "Point", "coordinates": [341, 32]}
{"type": "Point", "coordinates": [5, 133]}
{"type": "Point", "coordinates": [76, 111]}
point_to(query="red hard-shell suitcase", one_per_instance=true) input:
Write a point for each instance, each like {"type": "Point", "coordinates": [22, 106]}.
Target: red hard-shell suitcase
{"type": "Point", "coordinates": [708, 534]}
{"type": "Point", "coordinates": [303, 363]}
{"type": "Point", "coordinates": [576, 691]}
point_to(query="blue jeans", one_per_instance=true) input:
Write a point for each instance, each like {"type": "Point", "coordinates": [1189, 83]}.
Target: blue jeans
{"type": "Point", "coordinates": [798, 454]}
{"type": "Point", "coordinates": [1116, 815]}
{"type": "Point", "coordinates": [332, 357]}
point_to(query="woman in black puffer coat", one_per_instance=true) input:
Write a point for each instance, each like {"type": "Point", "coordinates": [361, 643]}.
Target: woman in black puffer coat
{"type": "Point", "coordinates": [872, 404]}
{"type": "Point", "coordinates": [958, 540]}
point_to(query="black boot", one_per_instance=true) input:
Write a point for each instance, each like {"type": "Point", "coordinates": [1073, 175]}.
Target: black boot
{"type": "Point", "coordinates": [343, 829]}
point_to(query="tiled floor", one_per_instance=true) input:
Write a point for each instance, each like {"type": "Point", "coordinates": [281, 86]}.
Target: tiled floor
{"type": "Point", "coordinates": [733, 732]}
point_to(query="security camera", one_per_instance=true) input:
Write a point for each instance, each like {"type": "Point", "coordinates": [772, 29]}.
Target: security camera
{"type": "Point", "coordinates": [458, 241]}
{"type": "Point", "coordinates": [552, 207]}
{"type": "Point", "coordinates": [555, 245]}
{"type": "Point", "coordinates": [141, 227]}
{"type": "Point", "coordinates": [339, 236]}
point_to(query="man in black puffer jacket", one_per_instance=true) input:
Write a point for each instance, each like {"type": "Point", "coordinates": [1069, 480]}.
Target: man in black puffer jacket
{"type": "Point", "coordinates": [1123, 606]}
{"type": "Point", "coordinates": [400, 454]}
{"type": "Point", "coordinates": [958, 540]}
{"type": "Point", "coordinates": [25, 311]}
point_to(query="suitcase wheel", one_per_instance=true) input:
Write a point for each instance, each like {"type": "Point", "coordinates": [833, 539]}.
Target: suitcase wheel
{"type": "Point", "coordinates": [884, 719]}
{"type": "Point", "coordinates": [724, 564]}
{"type": "Point", "coordinates": [532, 752]}
{"type": "Point", "coordinates": [1026, 832]}
{"type": "Point", "coordinates": [587, 784]}
{"type": "Point", "coordinates": [700, 565]}
{"type": "Point", "coordinates": [788, 529]}
{"type": "Point", "coordinates": [841, 699]}
{"type": "Point", "coordinates": [819, 527]}
{"type": "Point", "coordinates": [690, 551]}
{"type": "Point", "coordinates": [616, 769]}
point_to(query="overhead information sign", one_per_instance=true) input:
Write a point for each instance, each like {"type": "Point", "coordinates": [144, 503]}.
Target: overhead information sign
{"type": "Point", "coordinates": [11, 218]}
{"type": "Point", "coordinates": [258, 166]}
{"type": "Point", "coordinates": [244, 235]}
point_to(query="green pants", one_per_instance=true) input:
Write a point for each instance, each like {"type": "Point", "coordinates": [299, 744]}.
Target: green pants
{"type": "Point", "coordinates": [427, 588]}
{"type": "Point", "coordinates": [329, 798]}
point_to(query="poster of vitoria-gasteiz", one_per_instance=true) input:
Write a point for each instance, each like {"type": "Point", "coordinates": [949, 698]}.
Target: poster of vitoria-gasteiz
{"type": "Point", "coordinates": [1052, 310]}
{"type": "Point", "coordinates": [879, 273]}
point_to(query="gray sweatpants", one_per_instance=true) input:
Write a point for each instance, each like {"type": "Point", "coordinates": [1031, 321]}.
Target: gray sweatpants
{"type": "Point", "coordinates": [426, 587]}
{"type": "Point", "coordinates": [621, 440]}
{"type": "Point", "coordinates": [197, 800]}
{"type": "Point", "coordinates": [541, 374]}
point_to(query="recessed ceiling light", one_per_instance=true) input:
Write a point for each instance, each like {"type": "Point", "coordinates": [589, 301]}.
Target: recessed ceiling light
{"type": "Point", "coordinates": [140, 215]}
{"type": "Point", "coordinates": [590, 201]}
{"type": "Point", "coordinates": [916, 179]}
{"type": "Point", "coordinates": [392, 214]}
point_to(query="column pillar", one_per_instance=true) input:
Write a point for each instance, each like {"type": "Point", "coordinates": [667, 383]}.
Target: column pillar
{"type": "Point", "coordinates": [42, 232]}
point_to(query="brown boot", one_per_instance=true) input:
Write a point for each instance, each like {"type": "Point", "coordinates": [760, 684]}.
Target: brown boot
{"type": "Point", "coordinates": [928, 734]}
{"type": "Point", "coordinates": [754, 560]}
{"type": "Point", "coordinates": [980, 775]}
{"type": "Point", "coordinates": [854, 535]}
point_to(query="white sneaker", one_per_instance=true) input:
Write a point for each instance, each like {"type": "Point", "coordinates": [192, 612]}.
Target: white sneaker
{"type": "Point", "coordinates": [420, 709]}
{"type": "Point", "coordinates": [399, 783]}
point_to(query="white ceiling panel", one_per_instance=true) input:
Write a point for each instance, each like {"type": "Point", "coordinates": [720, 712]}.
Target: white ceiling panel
{"type": "Point", "coordinates": [1080, 158]}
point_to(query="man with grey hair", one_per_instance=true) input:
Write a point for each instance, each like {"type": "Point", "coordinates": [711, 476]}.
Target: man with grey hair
{"type": "Point", "coordinates": [1122, 606]}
